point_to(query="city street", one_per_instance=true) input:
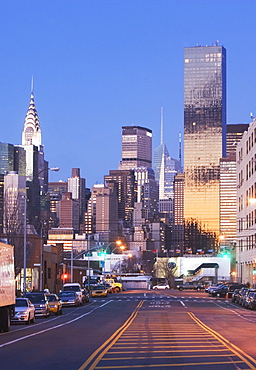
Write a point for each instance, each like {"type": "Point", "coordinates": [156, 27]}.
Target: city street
{"type": "Point", "coordinates": [137, 329]}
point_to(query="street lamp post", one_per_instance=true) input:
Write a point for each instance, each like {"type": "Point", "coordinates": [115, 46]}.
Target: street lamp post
{"type": "Point", "coordinates": [119, 245]}
{"type": "Point", "coordinates": [25, 245]}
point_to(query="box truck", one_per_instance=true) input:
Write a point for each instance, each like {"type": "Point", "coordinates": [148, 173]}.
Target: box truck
{"type": "Point", "coordinates": [7, 286]}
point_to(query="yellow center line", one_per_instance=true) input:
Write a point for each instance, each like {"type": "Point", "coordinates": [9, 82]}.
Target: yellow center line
{"type": "Point", "coordinates": [239, 352]}
{"type": "Point", "coordinates": [114, 337]}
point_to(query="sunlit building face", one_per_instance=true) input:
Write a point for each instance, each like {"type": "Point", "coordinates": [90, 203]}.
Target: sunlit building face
{"type": "Point", "coordinates": [204, 132]}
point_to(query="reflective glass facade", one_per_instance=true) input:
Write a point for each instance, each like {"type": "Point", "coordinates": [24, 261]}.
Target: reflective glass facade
{"type": "Point", "coordinates": [204, 132]}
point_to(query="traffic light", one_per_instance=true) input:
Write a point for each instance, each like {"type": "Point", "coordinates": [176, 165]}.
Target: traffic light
{"type": "Point", "coordinates": [64, 276]}
{"type": "Point", "coordinates": [102, 253]}
{"type": "Point", "coordinates": [225, 255]}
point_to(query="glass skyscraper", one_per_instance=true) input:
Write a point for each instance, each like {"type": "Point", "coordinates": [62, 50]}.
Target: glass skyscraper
{"type": "Point", "coordinates": [204, 133]}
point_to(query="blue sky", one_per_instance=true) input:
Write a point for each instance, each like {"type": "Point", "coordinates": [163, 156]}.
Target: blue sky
{"type": "Point", "coordinates": [99, 65]}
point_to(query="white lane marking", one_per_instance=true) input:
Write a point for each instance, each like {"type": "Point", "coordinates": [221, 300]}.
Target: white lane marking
{"type": "Point", "coordinates": [228, 309]}
{"type": "Point", "coordinates": [38, 323]}
{"type": "Point", "coordinates": [53, 327]}
{"type": "Point", "coordinates": [183, 304]}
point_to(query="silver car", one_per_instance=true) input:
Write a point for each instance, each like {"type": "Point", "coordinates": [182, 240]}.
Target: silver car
{"type": "Point", "coordinates": [39, 300]}
{"type": "Point", "coordinates": [24, 311]}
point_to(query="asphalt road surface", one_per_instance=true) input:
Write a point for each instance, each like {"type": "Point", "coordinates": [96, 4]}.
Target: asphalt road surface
{"type": "Point", "coordinates": [140, 329]}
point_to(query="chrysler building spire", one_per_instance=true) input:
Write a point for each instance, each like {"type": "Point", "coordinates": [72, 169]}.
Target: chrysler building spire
{"type": "Point", "coordinates": [31, 134]}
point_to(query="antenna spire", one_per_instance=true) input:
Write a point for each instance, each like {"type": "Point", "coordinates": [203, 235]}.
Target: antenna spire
{"type": "Point", "coordinates": [32, 85]}
{"type": "Point", "coordinates": [180, 147]}
{"type": "Point", "coordinates": [162, 127]}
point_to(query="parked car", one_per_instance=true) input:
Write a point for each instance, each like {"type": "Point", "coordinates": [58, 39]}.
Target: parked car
{"type": "Point", "coordinates": [55, 304]}
{"type": "Point", "coordinates": [225, 290]}
{"type": "Point", "coordinates": [251, 299]}
{"type": "Point", "coordinates": [191, 285]}
{"type": "Point", "coordinates": [99, 291]}
{"type": "Point", "coordinates": [215, 287]}
{"type": "Point", "coordinates": [240, 294]}
{"type": "Point", "coordinates": [70, 299]}
{"type": "Point", "coordinates": [161, 286]}
{"type": "Point", "coordinates": [235, 295]}
{"type": "Point", "coordinates": [232, 288]}
{"type": "Point", "coordinates": [245, 296]}
{"type": "Point", "coordinates": [40, 302]}
{"type": "Point", "coordinates": [24, 311]}
{"type": "Point", "coordinates": [220, 291]}
{"type": "Point", "coordinates": [85, 295]}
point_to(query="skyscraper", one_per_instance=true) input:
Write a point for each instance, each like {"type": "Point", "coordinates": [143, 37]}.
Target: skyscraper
{"type": "Point", "coordinates": [136, 147]}
{"type": "Point", "coordinates": [204, 133]}
{"type": "Point", "coordinates": [228, 185]}
{"type": "Point", "coordinates": [36, 166]}
{"type": "Point", "coordinates": [76, 186]}
{"type": "Point", "coordinates": [165, 168]}
{"type": "Point", "coordinates": [12, 158]}
{"type": "Point", "coordinates": [125, 181]}
{"type": "Point", "coordinates": [234, 135]}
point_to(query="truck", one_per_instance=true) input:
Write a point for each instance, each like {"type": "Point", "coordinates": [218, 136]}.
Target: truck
{"type": "Point", "coordinates": [7, 286]}
{"type": "Point", "coordinates": [117, 285]}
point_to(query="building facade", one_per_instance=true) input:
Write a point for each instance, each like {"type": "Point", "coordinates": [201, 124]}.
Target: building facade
{"type": "Point", "coordinates": [125, 181]}
{"type": "Point", "coordinates": [76, 186]}
{"type": "Point", "coordinates": [246, 207]}
{"type": "Point", "coordinates": [204, 133]}
{"type": "Point", "coordinates": [136, 147]}
{"type": "Point", "coordinates": [178, 222]}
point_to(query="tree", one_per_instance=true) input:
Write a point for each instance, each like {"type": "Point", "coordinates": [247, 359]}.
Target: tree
{"type": "Point", "coordinates": [165, 269]}
{"type": "Point", "coordinates": [131, 264]}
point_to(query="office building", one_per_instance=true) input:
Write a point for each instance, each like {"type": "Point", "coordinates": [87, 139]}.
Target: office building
{"type": "Point", "coordinates": [126, 186]}
{"type": "Point", "coordinates": [228, 201]}
{"type": "Point", "coordinates": [101, 217]}
{"type": "Point", "coordinates": [68, 212]}
{"type": "Point", "coordinates": [136, 147]}
{"type": "Point", "coordinates": [234, 135]}
{"type": "Point", "coordinates": [178, 222]}
{"type": "Point", "coordinates": [55, 192]}
{"type": "Point", "coordinates": [76, 186]}
{"type": "Point", "coordinates": [246, 207]}
{"type": "Point", "coordinates": [12, 158]}
{"type": "Point", "coordinates": [228, 187]}
{"type": "Point", "coordinates": [165, 168]}
{"type": "Point", "coordinates": [14, 209]}
{"type": "Point", "coordinates": [147, 191]}
{"type": "Point", "coordinates": [204, 134]}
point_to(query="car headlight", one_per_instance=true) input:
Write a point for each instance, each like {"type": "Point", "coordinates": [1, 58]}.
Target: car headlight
{"type": "Point", "coordinates": [41, 305]}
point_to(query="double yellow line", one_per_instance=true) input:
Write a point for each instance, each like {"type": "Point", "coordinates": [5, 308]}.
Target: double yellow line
{"type": "Point", "coordinates": [97, 355]}
{"type": "Point", "coordinates": [237, 351]}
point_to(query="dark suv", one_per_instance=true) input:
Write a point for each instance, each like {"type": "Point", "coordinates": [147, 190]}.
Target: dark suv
{"type": "Point", "coordinates": [226, 290]}
{"type": "Point", "coordinates": [40, 302]}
